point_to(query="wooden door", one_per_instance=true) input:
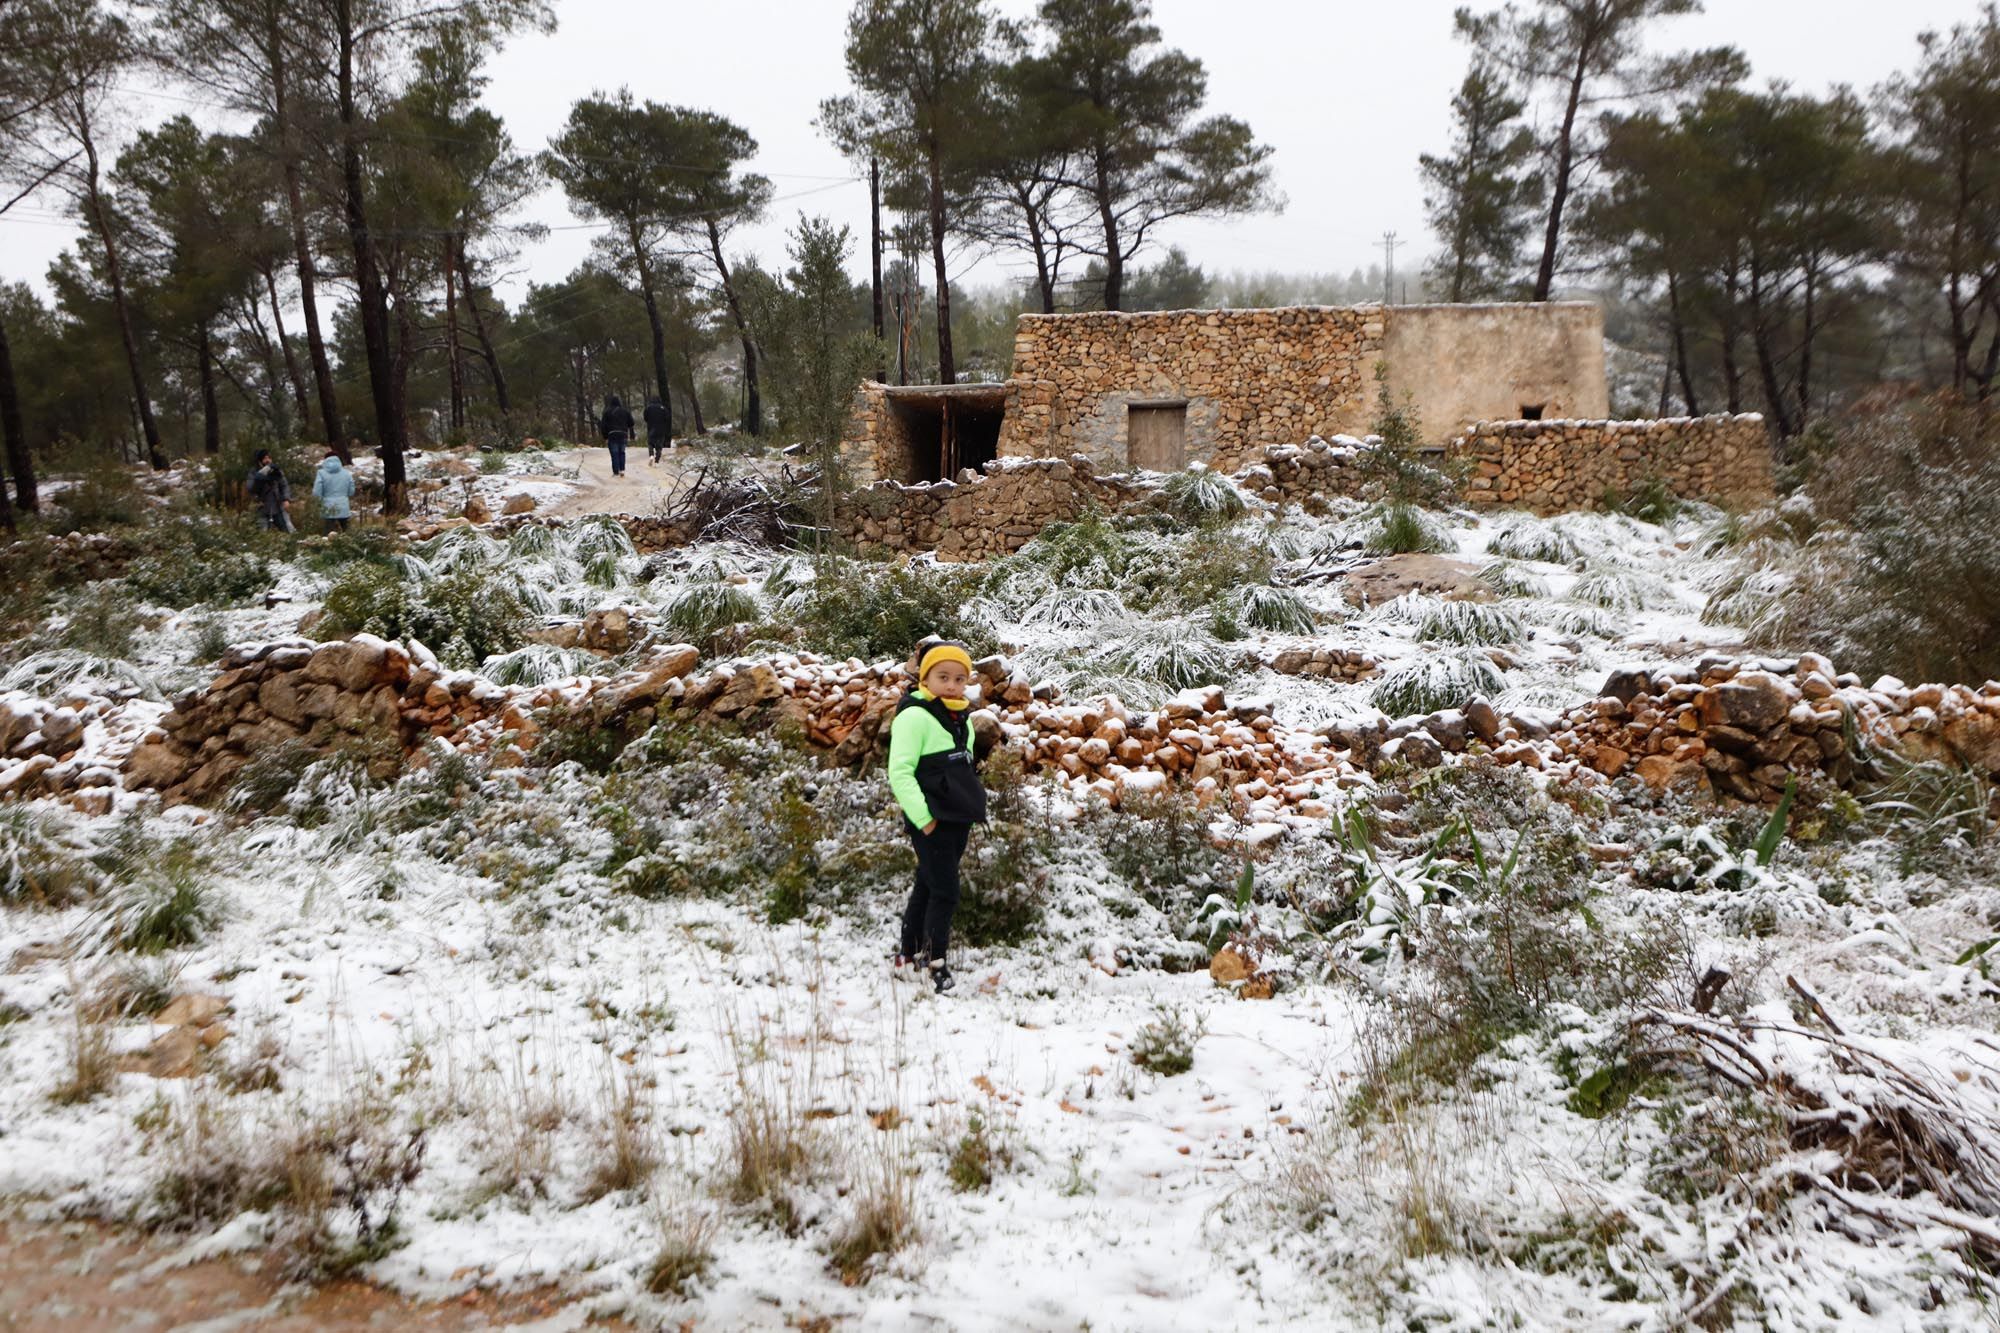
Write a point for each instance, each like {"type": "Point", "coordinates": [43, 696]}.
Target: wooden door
{"type": "Point", "coordinates": [1156, 436]}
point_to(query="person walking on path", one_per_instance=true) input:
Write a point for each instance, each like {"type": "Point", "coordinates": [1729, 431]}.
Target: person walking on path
{"type": "Point", "coordinates": [616, 427]}
{"type": "Point", "coordinates": [333, 487]}
{"type": "Point", "coordinates": [657, 421]}
{"type": "Point", "coordinates": [935, 781]}
{"type": "Point", "coordinates": [271, 491]}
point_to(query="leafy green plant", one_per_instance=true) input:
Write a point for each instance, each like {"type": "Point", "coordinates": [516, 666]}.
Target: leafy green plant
{"type": "Point", "coordinates": [1406, 530]}
{"type": "Point", "coordinates": [1170, 654]}
{"type": "Point", "coordinates": [1278, 609]}
{"type": "Point", "coordinates": [699, 611]}
{"type": "Point", "coordinates": [1471, 623]}
{"type": "Point", "coordinates": [1523, 537]}
{"type": "Point", "coordinates": [464, 616]}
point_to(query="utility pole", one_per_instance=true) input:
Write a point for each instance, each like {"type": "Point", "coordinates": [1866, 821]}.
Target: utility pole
{"type": "Point", "coordinates": [1388, 268]}
{"type": "Point", "coordinates": [875, 253]}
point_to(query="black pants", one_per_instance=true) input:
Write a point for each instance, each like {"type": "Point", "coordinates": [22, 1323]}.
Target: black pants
{"type": "Point", "coordinates": [927, 920]}
{"type": "Point", "coordinates": [615, 441]}
{"type": "Point", "coordinates": [656, 440]}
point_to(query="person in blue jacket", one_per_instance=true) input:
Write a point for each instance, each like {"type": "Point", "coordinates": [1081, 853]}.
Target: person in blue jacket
{"type": "Point", "coordinates": [935, 781]}
{"type": "Point", "coordinates": [333, 487]}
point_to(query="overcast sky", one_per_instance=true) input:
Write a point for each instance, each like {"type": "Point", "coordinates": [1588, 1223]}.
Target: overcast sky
{"type": "Point", "coordinates": [1347, 93]}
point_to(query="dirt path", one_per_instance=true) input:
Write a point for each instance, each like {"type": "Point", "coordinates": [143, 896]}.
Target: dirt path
{"type": "Point", "coordinates": [81, 1278]}
{"type": "Point", "coordinates": [646, 485]}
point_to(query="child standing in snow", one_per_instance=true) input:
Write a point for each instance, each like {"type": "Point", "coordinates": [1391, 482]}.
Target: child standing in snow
{"type": "Point", "coordinates": [932, 774]}
{"type": "Point", "coordinates": [333, 486]}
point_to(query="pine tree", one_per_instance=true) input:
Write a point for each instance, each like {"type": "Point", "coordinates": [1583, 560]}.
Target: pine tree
{"type": "Point", "coordinates": [1480, 198]}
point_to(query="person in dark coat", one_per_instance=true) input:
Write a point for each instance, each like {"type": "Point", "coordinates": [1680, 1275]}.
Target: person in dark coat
{"type": "Point", "coordinates": [271, 491]}
{"type": "Point", "coordinates": [658, 423]}
{"type": "Point", "coordinates": [616, 427]}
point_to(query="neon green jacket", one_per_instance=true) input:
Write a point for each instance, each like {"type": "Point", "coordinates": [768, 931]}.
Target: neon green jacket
{"type": "Point", "coordinates": [914, 734]}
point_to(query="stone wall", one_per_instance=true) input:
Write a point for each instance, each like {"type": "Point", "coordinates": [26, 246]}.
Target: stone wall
{"type": "Point", "coordinates": [992, 512]}
{"type": "Point", "coordinates": [1458, 364]}
{"type": "Point", "coordinates": [1556, 466]}
{"type": "Point", "coordinates": [1248, 378]}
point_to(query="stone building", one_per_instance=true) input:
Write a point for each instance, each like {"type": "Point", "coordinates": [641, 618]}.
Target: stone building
{"type": "Point", "coordinates": [1159, 390]}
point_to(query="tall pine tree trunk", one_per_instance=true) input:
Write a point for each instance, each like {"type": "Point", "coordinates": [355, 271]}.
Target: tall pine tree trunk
{"type": "Point", "coordinates": [947, 363]}
{"type": "Point", "coordinates": [454, 366]}
{"type": "Point", "coordinates": [486, 351]}
{"type": "Point", "coordinates": [1545, 276]}
{"type": "Point", "coordinates": [659, 326]}
{"type": "Point", "coordinates": [753, 403]}
{"type": "Point", "coordinates": [1681, 345]}
{"type": "Point", "coordinates": [292, 374]}
{"type": "Point", "coordinates": [1114, 253]}
{"type": "Point", "coordinates": [211, 410]}
{"type": "Point", "coordinates": [20, 462]}
{"type": "Point", "coordinates": [389, 427]}
{"type": "Point", "coordinates": [114, 272]}
{"type": "Point", "coordinates": [295, 204]}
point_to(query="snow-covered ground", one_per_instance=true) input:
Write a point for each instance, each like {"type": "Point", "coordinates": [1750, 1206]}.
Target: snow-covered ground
{"type": "Point", "coordinates": [455, 973]}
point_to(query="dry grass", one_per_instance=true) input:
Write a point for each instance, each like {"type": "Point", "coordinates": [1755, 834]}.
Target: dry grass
{"type": "Point", "coordinates": [884, 1216]}
{"type": "Point", "coordinates": [627, 1141]}
{"type": "Point", "coordinates": [91, 1068]}
{"type": "Point", "coordinates": [686, 1252]}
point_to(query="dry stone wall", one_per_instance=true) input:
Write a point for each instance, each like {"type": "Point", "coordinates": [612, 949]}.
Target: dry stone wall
{"type": "Point", "coordinates": [984, 514]}
{"type": "Point", "coordinates": [1557, 466]}
{"type": "Point", "coordinates": [1248, 378]}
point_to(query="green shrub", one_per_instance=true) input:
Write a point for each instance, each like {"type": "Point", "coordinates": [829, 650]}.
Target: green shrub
{"type": "Point", "coordinates": [1405, 530]}
{"type": "Point", "coordinates": [1617, 588]}
{"type": "Point", "coordinates": [1281, 610]}
{"type": "Point", "coordinates": [171, 908]}
{"type": "Point", "coordinates": [102, 621]}
{"type": "Point", "coordinates": [106, 495]}
{"type": "Point", "coordinates": [217, 576]}
{"type": "Point", "coordinates": [1003, 880]}
{"type": "Point", "coordinates": [700, 610]}
{"type": "Point", "coordinates": [1509, 578]}
{"type": "Point", "coordinates": [1651, 502]}
{"type": "Point", "coordinates": [1393, 468]}
{"type": "Point", "coordinates": [873, 611]}
{"type": "Point", "coordinates": [977, 1156]}
{"type": "Point", "coordinates": [464, 617]}
{"type": "Point", "coordinates": [1176, 573]}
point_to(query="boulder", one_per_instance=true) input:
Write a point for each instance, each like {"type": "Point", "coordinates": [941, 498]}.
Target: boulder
{"type": "Point", "coordinates": [477, 512]}
{"type": "Point", "coordinates": [516, 504]}
{"type": "Point", "coordinates": [352, 666]}
{"type": "Point", "coordinates": [753, 686]}
{"type": "Point", "coordinates": [1754, 701]}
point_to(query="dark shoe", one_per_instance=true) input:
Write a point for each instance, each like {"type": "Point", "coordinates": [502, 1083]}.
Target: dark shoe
{"type": "Point", "coordinates": [942, 978]}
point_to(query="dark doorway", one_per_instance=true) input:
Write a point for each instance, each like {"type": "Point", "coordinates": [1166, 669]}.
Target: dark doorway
{"type": "Point", "coordinates": [1532, 411]}
{"type": "Point", "coordinates": [944, 429]}
{"type": "Point", "coordinates": [1156, 436]}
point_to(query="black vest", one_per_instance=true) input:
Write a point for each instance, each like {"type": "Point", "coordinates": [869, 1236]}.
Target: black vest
{"type": "Point", "coordinates": [948, 779]}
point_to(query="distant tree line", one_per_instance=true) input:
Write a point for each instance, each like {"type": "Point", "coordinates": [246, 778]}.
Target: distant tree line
{"type": "Point", "coordinates": [325, 267]}
{"type": "Point", "coordinates": [1779, 251]}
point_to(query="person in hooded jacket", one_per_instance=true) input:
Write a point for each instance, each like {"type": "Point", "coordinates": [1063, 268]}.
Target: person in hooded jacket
{"type": "Point", "coordinates": [657, 419]}
{"type": "Point", "coordinates": [616, 427]}
{"type": "Point", "coordinates": [271, 491]}
{"type": "Point", "coordinates": [333, 487]}
{"type": "Point", "coordinates": [936, 782]}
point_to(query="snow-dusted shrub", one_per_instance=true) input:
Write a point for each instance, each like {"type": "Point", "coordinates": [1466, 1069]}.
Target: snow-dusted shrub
{"type": "Point", "coordinates": [464, 616]}
{"type": "Point", "coordinates": [1617, 587]}
{"type": "Point", "coordinates": [1004, 878]}
{"type": "Point", "coordinates": [1202, 497]}
{"type": "Point", "coordinates": [686, 1251]}
{"type": "Point", "coordinates": [457, 549]}
{"type": "Point", "coordinates": [1438, 681]}
{"type": "Point", "coordinates": [1165, 1044]}
{"type": "Point", "coordinates": [1192, 574]}
{"type": "Point", "coordinates": [1402, 529]}
{"type": "Point", "coordinates": [884, 1216]}
{"type": "Point", "coordinates": [1260, 606]}
{"type": "Point", "coordinates": [1171, 654]}
{"type": "Point", "coordinates": [218, 576]}
{"type": "Point", "coordinates": [1573, 621]}
{"type": "Point", "coordinates": [598, 535]}
{"type": "Point", "coordinates": [1511, 578]}
{"type": "Point", "coordinates": [1074, 608]}
{"type": "Point", "coordinates": [1478, 623]}
{"type": "Point", "coordinates": [102, 620]}
{"type": "Point", "coordinates": [532, 541]}
{"type": "Point", "coordinates": [884, 611]}
{"type": "Point", "coordinates": [41, 863]}
{"type": "Point", "coordinates": [538, 664]}
{"type": "Point", "coordinates": [57, 671]}
{"type": "Point", "coordinates": [1524, 537]}
{"type": "Point", "coordinates": [699, 610]}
